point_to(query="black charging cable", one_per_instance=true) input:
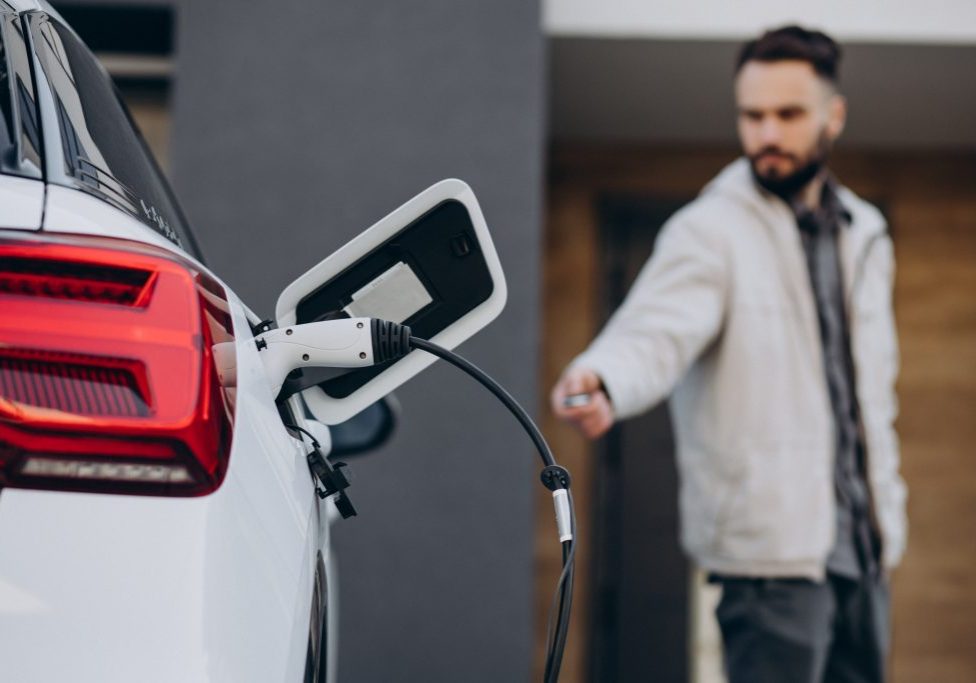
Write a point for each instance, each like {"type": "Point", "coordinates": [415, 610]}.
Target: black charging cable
{"type": "Point", "coordinates": [554, 477]}
{"type": "Point", "coordinates": [391, 341]}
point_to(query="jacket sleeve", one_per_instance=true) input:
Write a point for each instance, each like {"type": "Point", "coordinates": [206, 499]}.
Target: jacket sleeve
{"type": "Point", "coordinates": [878, 389]}
{"type": "Point", "coordinates": [674, 310]}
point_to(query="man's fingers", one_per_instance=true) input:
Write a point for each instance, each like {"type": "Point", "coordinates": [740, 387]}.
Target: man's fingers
{"type": "Point", "coordinates": [595, 429]}
{"type": "Point", "coordinates": [574, 381]}
{"type": "Point", "coordinates": [567, 386]}
{"type": "Point", "coordinates": [585, 382]}
{"type": "Point", "coordinates": [592, 420]}
{"type": "Point", "coordinates": [595, 425]}
{"type": "Point", "coordinates": [556, 398]}
{"type": "Point", "coordinates": [601, 419]}
{"type": "Point", "coordinates": [580, 381]}
{"type": "Point", "coordinates": [597, 404]}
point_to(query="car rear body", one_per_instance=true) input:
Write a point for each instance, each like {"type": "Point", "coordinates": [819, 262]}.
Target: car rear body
{"type": "Point", "coordinates": [103, 578]}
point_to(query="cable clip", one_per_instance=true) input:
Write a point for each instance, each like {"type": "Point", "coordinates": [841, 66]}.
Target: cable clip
{"type": "Point", "coordinates": [334, 481]}
{"type": "Point", "coordinates": [555, 477]}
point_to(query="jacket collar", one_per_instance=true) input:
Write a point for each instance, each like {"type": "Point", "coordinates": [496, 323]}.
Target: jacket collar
{"type": "Point", "coordinates": [830, 207]}
{"type": "Point", "coordinates": [735, 181]}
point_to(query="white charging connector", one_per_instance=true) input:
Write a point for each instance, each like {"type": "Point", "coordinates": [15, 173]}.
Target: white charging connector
{"type": "Point", "coordinates": [345, 343]}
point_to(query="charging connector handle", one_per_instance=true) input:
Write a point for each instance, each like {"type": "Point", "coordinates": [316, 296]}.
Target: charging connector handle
{"type": "Point", "coordinates": [346, 343]}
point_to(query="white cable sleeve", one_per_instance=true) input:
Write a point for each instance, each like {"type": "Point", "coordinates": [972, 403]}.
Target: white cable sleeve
{"type": "Point", "coordinates": [564, 525]}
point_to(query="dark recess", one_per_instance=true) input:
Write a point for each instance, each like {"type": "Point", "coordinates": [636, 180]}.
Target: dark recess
{"type": "Point", "coordinates": [125, 30]}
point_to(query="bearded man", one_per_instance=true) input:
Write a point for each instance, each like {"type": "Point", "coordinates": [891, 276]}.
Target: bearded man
{"type": "Point", "coordinates": [765, 314]}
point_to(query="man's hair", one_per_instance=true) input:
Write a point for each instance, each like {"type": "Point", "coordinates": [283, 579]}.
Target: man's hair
{"type": "Point", "coordinates": [794, 43]}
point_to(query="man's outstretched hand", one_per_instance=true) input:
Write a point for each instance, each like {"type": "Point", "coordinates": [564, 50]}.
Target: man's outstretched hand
{"type": "Point", "coordinates": [595, 417]}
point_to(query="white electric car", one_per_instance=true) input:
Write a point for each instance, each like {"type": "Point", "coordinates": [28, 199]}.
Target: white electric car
{"type": "Point", "coordinates": [159, 519]}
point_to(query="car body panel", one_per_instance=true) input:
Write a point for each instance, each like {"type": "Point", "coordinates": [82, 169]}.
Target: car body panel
{"type": "Point", "coordinates": [105, 587]}
{"type": "Point", "coordinates": [215, 588]}
{"type": "Point", "coordinates": [21, 203]}
{"type": "Point", "coordinates": [72, 211]}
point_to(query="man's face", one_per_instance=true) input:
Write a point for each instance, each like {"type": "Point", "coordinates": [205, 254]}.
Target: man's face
{"type": "Point", "coordinates": [788, 119]}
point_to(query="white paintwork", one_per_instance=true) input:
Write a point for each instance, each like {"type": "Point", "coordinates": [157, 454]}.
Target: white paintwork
{"type": "Point", "coordinates": [123, 588]}
{"type": "Point", "coordinates": [73, 211]}
{"type": "Point", "coordinates": [320, 433]}
{"type": "Point", "coordinates": [345, 343]}
{"type": "Point", "coordinates": [332, 410]}
{"type": "Point", "coordinates": [21, 202]}
{"type": "Point", "coordinates": [16, 601]}
{"type": "Point", "coordinates": [936, 21]}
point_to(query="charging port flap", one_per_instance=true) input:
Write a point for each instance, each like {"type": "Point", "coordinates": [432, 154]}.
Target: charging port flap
{"type": "Point", "coordinates": [430, 264]}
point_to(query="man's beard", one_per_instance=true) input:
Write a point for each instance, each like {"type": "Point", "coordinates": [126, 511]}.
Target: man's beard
{"type": "Point", "coordinates": [787, 186]}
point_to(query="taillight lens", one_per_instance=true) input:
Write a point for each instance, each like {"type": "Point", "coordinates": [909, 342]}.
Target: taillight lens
{"type": "Point", "coordinates": [107, 377]}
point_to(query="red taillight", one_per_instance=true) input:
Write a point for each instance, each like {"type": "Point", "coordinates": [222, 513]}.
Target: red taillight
{"type": "Point", "coordinates": [25, 276]}
{"type": "Point", "coordinates": [72, 383]}
{"type": "Point", "coordinates": [107, 379]}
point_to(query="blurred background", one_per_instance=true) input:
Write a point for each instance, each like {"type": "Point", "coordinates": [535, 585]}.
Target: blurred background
{"type": "Point", "coordinates": [288, 127]}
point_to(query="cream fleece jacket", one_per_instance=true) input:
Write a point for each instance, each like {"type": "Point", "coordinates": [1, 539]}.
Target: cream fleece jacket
{"type": "Point", "coordinates": [722, 319]}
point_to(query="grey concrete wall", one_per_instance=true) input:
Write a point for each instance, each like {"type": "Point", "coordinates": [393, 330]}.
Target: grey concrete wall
{"type": "Point", "coordinates": [298, 124]}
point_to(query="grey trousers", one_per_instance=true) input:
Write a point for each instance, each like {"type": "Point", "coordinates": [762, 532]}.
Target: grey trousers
{"type": "Point", "coordinates": [778, 630]}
